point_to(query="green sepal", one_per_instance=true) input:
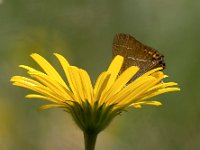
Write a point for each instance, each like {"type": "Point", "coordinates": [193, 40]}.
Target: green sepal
{"type": "Point", "coordinates": [92, 118]}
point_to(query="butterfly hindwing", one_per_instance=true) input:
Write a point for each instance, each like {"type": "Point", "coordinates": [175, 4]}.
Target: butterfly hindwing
{"type": "Point", "coordinates": [136, 54]}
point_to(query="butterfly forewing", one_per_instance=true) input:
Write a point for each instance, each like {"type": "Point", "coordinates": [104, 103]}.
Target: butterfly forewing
{"type": "Point", "coordinates": [136, 54]}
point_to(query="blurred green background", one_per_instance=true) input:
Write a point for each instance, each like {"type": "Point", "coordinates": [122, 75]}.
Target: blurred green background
{"type": "Point", "coordinates": [83, 31]}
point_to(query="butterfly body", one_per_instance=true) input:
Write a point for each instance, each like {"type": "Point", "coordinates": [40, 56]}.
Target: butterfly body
{"type": "Point", "coordinates": [136, 54]}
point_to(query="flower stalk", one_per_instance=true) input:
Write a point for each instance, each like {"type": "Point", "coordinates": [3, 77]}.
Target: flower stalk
{"type": "Point", "coordinates": [90, 139]}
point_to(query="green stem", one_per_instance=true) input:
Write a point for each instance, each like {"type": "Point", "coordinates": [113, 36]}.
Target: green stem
{"type": "Point", "coordinates": [90, 140]}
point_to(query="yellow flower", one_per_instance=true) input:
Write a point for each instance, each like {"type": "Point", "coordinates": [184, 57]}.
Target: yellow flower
{"type": "Point", "coordinates": [93, 108]}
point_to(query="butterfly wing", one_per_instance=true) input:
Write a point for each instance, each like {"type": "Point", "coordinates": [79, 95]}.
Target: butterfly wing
{"type": "Point", "coordinates": [136, 54]}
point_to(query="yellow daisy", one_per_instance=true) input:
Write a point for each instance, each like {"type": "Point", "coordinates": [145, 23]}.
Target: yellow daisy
{"type": "Point", "coordinates": [93, 107]}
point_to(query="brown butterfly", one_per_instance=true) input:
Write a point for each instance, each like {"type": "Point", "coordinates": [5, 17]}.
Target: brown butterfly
{"type": "Point", "coordinates": [136, 54]}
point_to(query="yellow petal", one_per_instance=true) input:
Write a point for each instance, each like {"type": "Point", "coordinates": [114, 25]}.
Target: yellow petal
{"type": "Point", "coordinates": [114, 69]}
{"type": "Point", "coordinates": [159, 86]}
{"type": "Point", "coordinates": [158, 74]}
{"type": "Point", "coordinates": [100, 85]}
{"type": "Point", "coordinates": [26, 82]}
{"type": "Point", "coordinates": [130, 90]}
{"type": "Point", "coordinates": [33, 72]}
{"type": "Point", "coordinates": [33, 85]}
{"type": "Point", "coordinates": [48, 68]}
{"type": "Point", "coordinates": [76, 82]}
{"type": "Point", "coordinates": [62, 61]}
{"type": "Point", "coordinates": [53, 85]}
{"type": "Point", "coordinates": [138, 104]}
{"type": "Point", "coordinates": [50, 106]}
{"type": "Point", "coordinates": [138, 90]}
{"type": "Point", "coordinates": [28, 68]}
{"type": "Point", "coordinates": [152, 71]}
{"type": "Point", "coordinates": [161, 91]}
{"type": "Point", "coordinates": [162, 85]}
{"type": "Point", "coordinates": [120, 82]}
{"type": "Point", "coordinates": [87, 85]}
{"type": "Point", "coordinates": [41, 97]}
{"type": "Point", "coordinates": [65, 65]}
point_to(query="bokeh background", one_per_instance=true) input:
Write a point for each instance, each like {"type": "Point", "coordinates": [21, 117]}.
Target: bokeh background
{"type": "Point", "coordinates": [83, 31]}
